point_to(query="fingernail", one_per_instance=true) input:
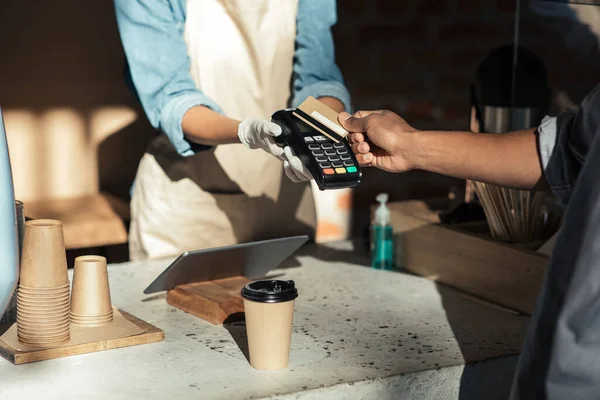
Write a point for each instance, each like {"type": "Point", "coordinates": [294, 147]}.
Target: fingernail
{"type": "Point", "coordinates": [344, 116]}
{"type": "Point", "coordinates": [368, 157]}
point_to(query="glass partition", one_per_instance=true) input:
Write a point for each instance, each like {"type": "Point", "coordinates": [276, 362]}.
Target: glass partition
{"type": "Point", "coordinates": [566, 37]}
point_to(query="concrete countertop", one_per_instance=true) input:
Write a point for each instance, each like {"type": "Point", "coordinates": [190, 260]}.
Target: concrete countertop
{"type": "Point", "coordinates": [358, 334]}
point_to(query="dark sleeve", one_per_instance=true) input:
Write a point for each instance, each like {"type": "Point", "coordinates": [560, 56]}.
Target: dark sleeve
{"type": "Point", "coordinates": [564, 143]}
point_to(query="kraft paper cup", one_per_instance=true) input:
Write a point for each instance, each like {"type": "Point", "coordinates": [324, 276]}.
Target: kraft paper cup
{"type": "Point", "coordinates": [48, 334]}
{"type": "Point", "coordinates": [49, 314]}
{"type": "Point", "coordinates": [43, 343]}
{"type": "Point", "coordinates": [42, 304]}
{"type": "Point", "coordinates": [39, 328]}
{"type": "Point", "coordinates": [90, 325]}
{"type": "Point", "coordinates": [48, 297]}
{"type": "Point", "coordinates": [42, 317]}
{"type": "Point", "coordinates": [44, 297]}
{"type": "Point", "coordinates": [57, 330]}
{"type": "Point", "coordinates": [92, 321]}
{"type": "Point", "coordinates": [50, 324]}
{"type": "Point", "coordinates": [47, 289]}
{"type": "Point", "coordinates": [57, 312]}
{"type": "Point", "coordinates": [95, 316]}
{"type": "Point", "coordinates": [90, 298]}
{"type": "Point", "coordinates": [44, 262]}
{"type": "Point", "coordinates": [107, 317]}
{"type": "Point", "coordinates": [48, 340]}
{"type": "Point", "coordinates": [44, 331]}
{"type": "Point", "coordinates": [269, 309]}
{"type": "Point", "coordinates": [41, 322]}
{"type": "Point", "coordinates": [44, 291]}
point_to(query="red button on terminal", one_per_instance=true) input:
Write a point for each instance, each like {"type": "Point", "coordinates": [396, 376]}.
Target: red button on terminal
{"type": "Point", "coordinates": [328, 171]}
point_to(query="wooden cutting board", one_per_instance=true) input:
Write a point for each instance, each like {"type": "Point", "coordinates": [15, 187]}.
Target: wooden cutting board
{"type": "Point", "coordinates": [215, 301]}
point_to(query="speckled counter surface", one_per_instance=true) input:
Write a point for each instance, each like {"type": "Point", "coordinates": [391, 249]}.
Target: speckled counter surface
{"type": "Point", "coordinates": [358, 334]}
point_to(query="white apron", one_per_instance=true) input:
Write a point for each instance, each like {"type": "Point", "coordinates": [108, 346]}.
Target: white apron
{"type": "Point", "coordinates": [241, 54]}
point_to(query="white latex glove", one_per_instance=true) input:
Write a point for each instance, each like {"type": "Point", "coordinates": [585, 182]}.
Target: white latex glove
{"type": "Point", "coordinates": [259, 134]}
{"type": "Point", "coordinates": [293, 167]}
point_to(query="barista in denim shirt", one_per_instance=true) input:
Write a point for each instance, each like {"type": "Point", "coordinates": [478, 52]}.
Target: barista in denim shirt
{"type": "Point", "coordinates": [560, 358]}
{"type": "Point", "coordinates": [209, 74]}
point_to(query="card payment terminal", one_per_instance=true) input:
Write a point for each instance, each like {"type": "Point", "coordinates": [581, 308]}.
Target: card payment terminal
{"type": "Point", "coordinates": [333, 165]}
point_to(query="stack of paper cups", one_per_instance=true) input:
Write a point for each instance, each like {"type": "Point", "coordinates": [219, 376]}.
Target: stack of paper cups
{"type": "Point", "coordinates": [43, 300]}
{"type": "Point", "coordinates": [91, 304]}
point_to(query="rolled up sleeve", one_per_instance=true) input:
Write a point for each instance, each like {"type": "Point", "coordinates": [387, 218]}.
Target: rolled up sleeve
{"type": "Point", "coordinates": [315, 71]}
{"type": "Point", "coordinates": [152, 36]}
{"type": "Point", "coordinates": [564, 142]}
{"type": "Point", "coordinates": [546, 139]}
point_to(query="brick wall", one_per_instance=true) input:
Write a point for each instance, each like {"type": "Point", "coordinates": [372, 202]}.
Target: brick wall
{"type": "Point", "coordinates": [418, 58]}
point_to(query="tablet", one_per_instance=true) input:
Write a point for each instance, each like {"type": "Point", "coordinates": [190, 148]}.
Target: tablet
{"type": "Point", "coordinates": [252, 260]}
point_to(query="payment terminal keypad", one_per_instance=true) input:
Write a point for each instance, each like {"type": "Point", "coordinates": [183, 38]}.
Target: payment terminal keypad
{"type": "Point", "coordinates": [333, 158]}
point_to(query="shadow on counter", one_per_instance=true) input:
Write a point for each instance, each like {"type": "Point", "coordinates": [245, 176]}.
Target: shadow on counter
{"type": "Point", "coordinates": [475, 327]}
{"type": "Point", "coordinates": [352, 252]}
{"type": "Point", "coordinates": [236, 325]}
{"type": "Point", "coordinates": [482, 330]}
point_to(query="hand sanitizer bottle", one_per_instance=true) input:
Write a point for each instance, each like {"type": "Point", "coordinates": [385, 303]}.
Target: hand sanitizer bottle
{"type": "Point", "coordinates": [382, 256]}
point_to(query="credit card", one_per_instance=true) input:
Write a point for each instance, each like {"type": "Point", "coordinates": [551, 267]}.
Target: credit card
{"type": "Point", "coordinates": [322, 118]}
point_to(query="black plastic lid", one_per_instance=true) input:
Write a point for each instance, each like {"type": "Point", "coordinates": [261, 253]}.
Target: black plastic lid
{"type": "Point", "coordinates": [270, 291]}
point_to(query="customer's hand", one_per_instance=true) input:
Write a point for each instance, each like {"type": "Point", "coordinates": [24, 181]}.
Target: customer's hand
{"type": "Point", "coordinates": [380, 139]}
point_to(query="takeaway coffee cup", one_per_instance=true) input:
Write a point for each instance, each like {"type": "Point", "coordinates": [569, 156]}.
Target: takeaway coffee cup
{"type": "Point", "coordinates": [269, 308]}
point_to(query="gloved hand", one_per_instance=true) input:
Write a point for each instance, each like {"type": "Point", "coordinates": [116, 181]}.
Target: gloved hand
{"type": "Point", "coordinates": [260, 134]}
{"type": "Point", "coordinates": [293, 167]}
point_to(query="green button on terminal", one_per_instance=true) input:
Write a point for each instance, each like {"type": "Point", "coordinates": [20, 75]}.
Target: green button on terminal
{"type": "Point", "coordinates": [351, 169]}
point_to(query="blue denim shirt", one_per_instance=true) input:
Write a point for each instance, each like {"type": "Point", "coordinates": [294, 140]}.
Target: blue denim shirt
{"type": "Point", "coordinates": [152, 35]}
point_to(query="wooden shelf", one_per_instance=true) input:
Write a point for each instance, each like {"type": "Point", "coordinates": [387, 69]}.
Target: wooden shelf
{"type": "Point", "coordinates": [88, 221]}
{"type": "Point", "coordinates": [465, 258]}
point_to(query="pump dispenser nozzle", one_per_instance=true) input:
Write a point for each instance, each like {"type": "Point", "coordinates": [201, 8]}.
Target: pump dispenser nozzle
{"type": "Point", "coordinates": [382, 214]}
